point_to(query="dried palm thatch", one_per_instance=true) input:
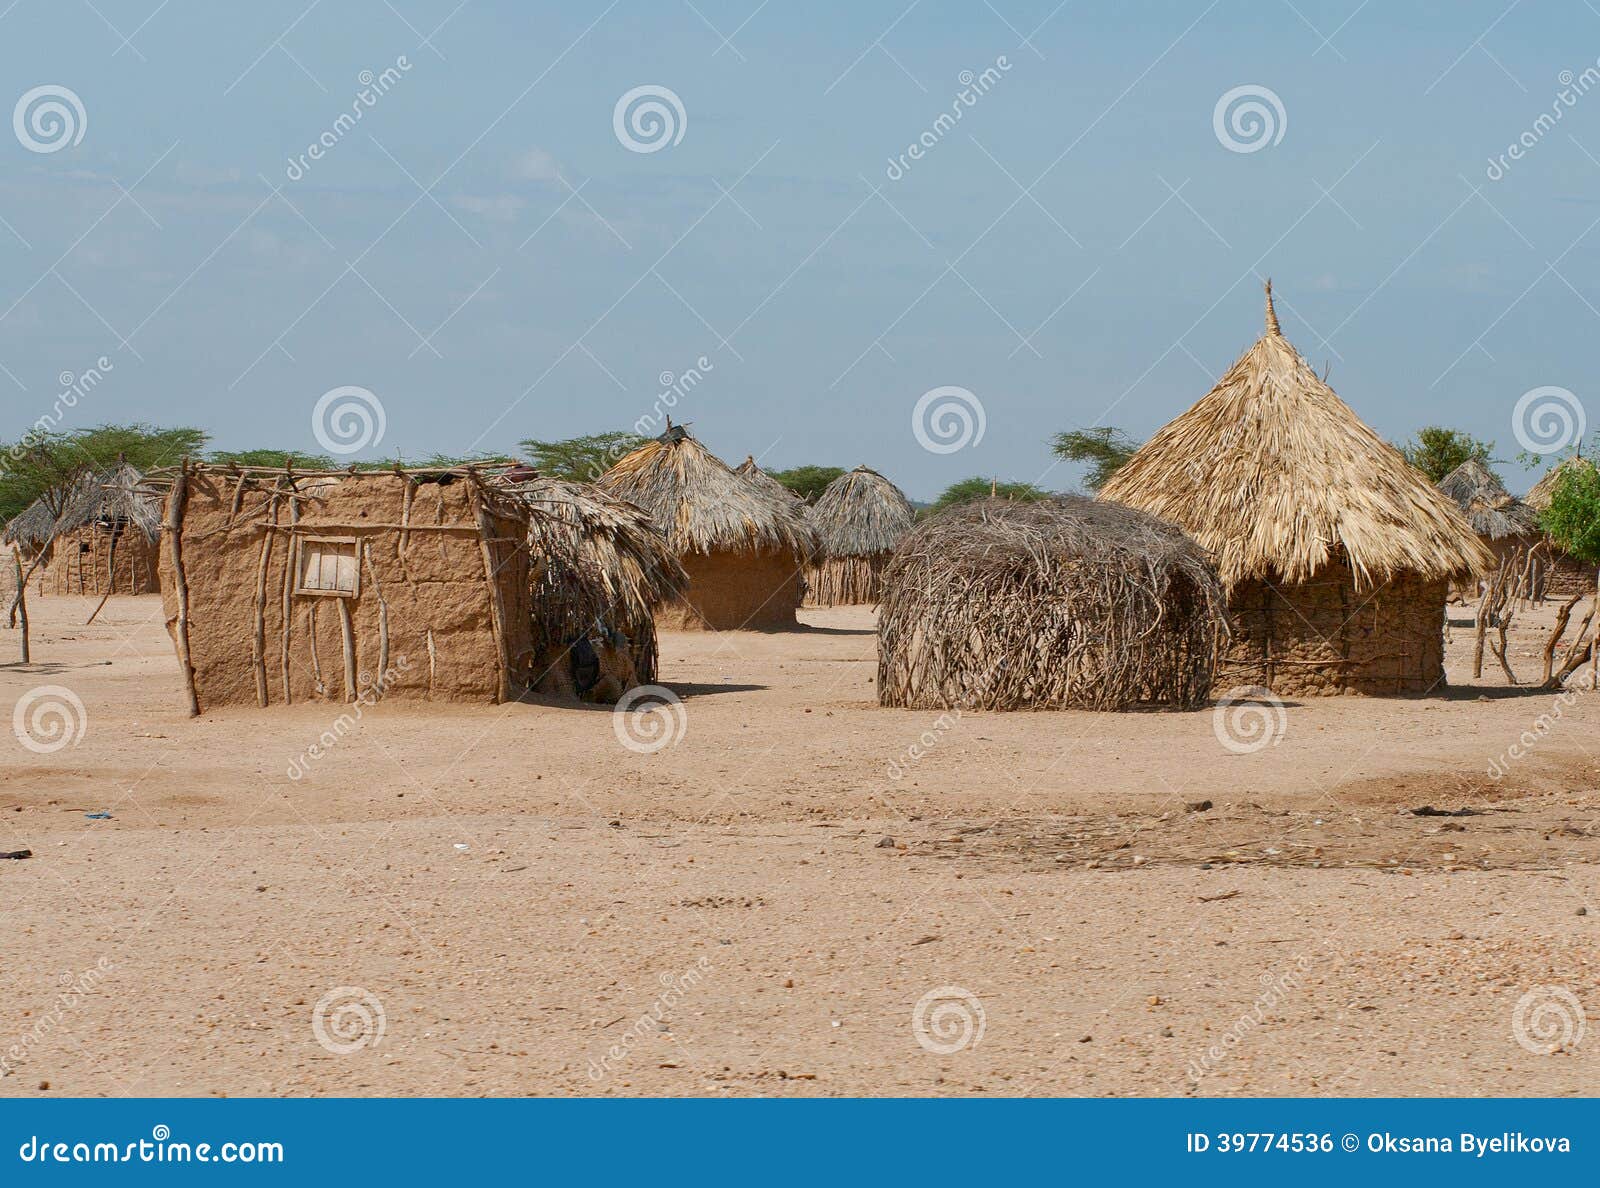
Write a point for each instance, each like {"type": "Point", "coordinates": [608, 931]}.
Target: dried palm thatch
{"type": "Point", "coordinates": [701, 505]}
{"type": "Point", "coordinates": [598, 566]}
{"type": "Point", "coordinates": [1544, 490]}
{"type": "Point", "coordinates": [748, 469]}
{"type": "Point", "coordinates": [111, 497]}
{"type": "Point", "coordinates": [1064, 603]}
{"type": "Point", "coordinates": [860, 518]}
{"type": "Point", "coordinates": [1277, 478]}
{"type": "Point", "coordinates": [1492, 511]}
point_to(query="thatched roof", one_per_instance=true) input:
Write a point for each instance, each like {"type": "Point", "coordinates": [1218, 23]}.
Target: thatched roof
{"type": "Point", "coordinates": [1544, 490]}
{"type": "Point", "coordinates": [604, 541]}
{"type": "Point", "coordinates": [1063, 602]}
{"type": "Point", "coordinates": [861, 513]}
{"type": "Point", "coordinates": [1277, 477]}
{"type": "Point", "coordinates": [117, 495]}
{"type": "Point", "coordinates": [1492, 511]}
{"type": "Point", "coordinates": [704, 507]}
{"type": "Point", "coordinates": [748, 469]}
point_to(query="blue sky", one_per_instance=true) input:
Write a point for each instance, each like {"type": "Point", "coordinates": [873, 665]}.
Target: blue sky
{"type": "Point", "coordinates": [484, 254]}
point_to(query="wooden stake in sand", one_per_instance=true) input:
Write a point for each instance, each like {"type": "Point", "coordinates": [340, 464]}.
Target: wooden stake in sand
{"type": "Point", "coordinates": [180, 583]}
{"type": "Point", "coordinates": [497, 607]}
{"type": "Point", "coordinates": [20, 607]}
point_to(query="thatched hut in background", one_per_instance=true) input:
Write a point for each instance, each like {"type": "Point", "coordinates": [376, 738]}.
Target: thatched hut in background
{"type": "Point", "coordinates": [598, 567]}
{"type": "Point", "coordinates": [1506, 526]}
{"type": "Point", "coordinates": [104, 541]}
{"type": "Point", "coordinates": [742, 547]}
{"type": "Point", "coordinates": [748, 469]}
{"type": "Point", "coordinates": [344, 586]}
{"type": "Point", "coordinates": [1567, 575]}
{"type": "Point", "coordinates": [860, 517]}
{"type": "Point", "coordinates": [1336, 553]}
{"type": "Point", "coordinates": [1064, 603]}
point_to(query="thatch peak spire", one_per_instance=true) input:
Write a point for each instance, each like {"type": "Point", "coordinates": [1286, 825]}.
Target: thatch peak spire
{"type": "Point", "coordinates": [1272, 314]}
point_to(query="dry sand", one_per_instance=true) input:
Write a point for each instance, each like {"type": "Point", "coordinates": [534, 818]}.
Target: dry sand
{"type": "Point", "coordinates": [535, 909]}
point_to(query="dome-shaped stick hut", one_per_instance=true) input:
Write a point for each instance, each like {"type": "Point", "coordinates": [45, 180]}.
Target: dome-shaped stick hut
{"type": "Point", "coordinates": [1064, 603]}
{"type": "Point", "coordinates": [860, 518]}
{"type": "Point", "coordinates": [748, 469]}
{"type": "Point", "coordinates": [598, 567]}
{"type": "Point", "coordinates": [742, 547]}
{"type": "Point", "coordinates": [102, 540]}
{"type": "Point", "coordinates": [1335, 551]}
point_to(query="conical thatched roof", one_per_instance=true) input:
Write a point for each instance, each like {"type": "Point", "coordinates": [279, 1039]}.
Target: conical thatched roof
{"type": "Point", "coordinates": [1277, 477]}
{"type": "Point", "coordinates": [1544, 490]}
{"type": "Point", "coordinates": [116, 495]}
{"type": "Point", "coordinates": [605, 542]}
{"type": "Point", "coordinates": [861, 513]}
{"type": "Point", "coordinates": [704, 507]}
{"type": "Point", "coordinates": [748, 469]}
{"type": "Point", "coordinates": [1492, 511]}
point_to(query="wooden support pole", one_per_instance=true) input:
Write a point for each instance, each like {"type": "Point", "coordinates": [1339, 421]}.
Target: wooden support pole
{"type": "Point", "coordinates": [180, 582]}
{"type": "Point", "coordinates": [497, 606]}
{"type": "Point", "coordinates": [347, 638]}
{"type": "Point", "coordinates": [21, 605]}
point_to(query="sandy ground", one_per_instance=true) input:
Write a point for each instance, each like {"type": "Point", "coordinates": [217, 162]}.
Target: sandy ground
{"type": "Point", "coordinates": [510, 901]}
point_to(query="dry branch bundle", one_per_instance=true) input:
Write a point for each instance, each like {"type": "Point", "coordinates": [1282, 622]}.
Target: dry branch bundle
{"type": "Point", "coordinates": [1057, 604]}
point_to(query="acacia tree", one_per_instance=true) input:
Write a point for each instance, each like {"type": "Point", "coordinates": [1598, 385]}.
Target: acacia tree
{"type": "Point", "coordinates": [581, 459]}
{"type": "Point", "coordinates": [1572, 522]}
{"type": "Point", "coordinates": [1436, 450]}
{"type": "Point", "coordinates": [1104, 448]}
{"type": "Point", "coordinates": [806, 481]}
{"type": "Point", "coordinates": [978, 487]}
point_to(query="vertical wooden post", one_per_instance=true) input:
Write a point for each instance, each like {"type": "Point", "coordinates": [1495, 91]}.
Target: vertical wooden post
{"type": "Point", "coordinates": [180, 582]}
{"type": "Point", "coordinates": [348, 642]}
{"type": "Point", "coordinates": [497, 606]}
{"type": "Point", "coordinates": [21, 605]}
{"type": "Point", "coordinates": [258, 633]}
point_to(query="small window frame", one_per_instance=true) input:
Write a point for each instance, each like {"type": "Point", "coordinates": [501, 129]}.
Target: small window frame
{"type": "Point", "coordinates": [340, 542]}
